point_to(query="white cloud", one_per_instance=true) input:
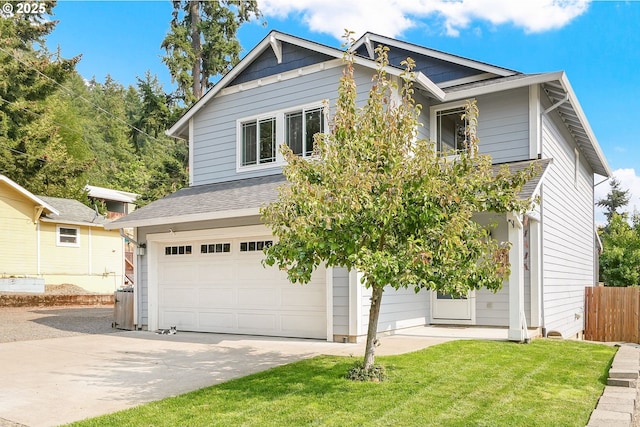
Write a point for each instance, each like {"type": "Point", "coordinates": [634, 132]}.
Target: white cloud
{"type": "Point", "coordinates": [393, 17]}
{"type": "Point", "coordinates": [629, 180]}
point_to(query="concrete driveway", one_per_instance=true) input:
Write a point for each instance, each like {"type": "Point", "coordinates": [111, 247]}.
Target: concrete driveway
{"type": "Point", "coordinates": [59, 380]}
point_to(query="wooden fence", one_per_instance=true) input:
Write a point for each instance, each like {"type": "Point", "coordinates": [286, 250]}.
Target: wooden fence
{"type": "Point", "coordinates": [612, 314]}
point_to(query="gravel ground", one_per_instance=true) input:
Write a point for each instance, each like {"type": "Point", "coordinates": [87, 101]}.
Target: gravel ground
{"type": "Point", "coordinates": [37, 323]}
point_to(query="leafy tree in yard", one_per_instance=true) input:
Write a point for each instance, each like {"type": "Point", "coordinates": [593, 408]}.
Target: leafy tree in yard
{"type": "Point", "coordinates": [379, 200]}
{"type": "Point", "coordinates": [202, 42]}
{"type": "Point", "coordinates": [620, 258]}
{"type": "Point", "coordinates": [616, 199]}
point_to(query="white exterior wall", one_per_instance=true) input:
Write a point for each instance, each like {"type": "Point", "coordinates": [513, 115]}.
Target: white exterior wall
{"type": "Point", "coordinates": [567, 231]}
{"type": "Point", "coordinates": [401, 308]}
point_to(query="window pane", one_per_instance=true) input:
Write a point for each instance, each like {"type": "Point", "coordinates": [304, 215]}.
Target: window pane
{"type": "Point", "coordinates": [226, 247]}
{"type": "Point", "coordinates": [68, 231]}
{"type": "Point", "coordinates": [249, 143]}
{"type": "Point", "coordinates": [294, 132]}
{"type": "Point", "coordinates": [218, 247]}
{"type": "Point", "coordinates": [203, 249]}
{"type": "Point", "coordinates": [313, 124]}
{"type": "Point", "coordinates": [267, 141]}
{"type": "Point", "coordinates": [451, 129]}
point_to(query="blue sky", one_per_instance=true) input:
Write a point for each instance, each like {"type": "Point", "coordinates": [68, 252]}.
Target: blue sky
{"type": "Point", "coordinates": [597, 44]}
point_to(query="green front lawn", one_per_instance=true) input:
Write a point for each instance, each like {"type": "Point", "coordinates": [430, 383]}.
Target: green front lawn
{"type": "Point", "coordinates": [460, 383]}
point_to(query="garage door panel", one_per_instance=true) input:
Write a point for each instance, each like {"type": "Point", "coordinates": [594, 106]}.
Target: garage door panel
{"type": "Point", "coordinates": [216, 272]}
{"type": "Point", "coordinates": [182, 319]}
{"type": "Point", "coordinates": [174, 296]}
{"type": "Point", "coordinates": [217, 297]}
{"type": "Point", "coordinates": [217, 321]}
{"type": "Point", "coordinates": [176, 272]}
{"type": "Point", "coordinates": [252, 322]}
{"type": "Point", "coordinates": [297, 297]}
{"type": "Point", "coordinates": [296, 324]}
{"type": "Point", "coordinates": [255, 297]}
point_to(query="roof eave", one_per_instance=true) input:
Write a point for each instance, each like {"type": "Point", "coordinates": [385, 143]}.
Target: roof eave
{"type": "Point", "coordinates": [205, 216]}
{"type": "Point", "coordinates": [70, 222]}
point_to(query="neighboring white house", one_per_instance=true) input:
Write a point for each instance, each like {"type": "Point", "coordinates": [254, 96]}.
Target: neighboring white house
{"type": "Point", "coordinates": [200, 248]}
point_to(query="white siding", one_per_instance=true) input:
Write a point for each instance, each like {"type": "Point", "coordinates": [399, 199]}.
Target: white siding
{"type": "Point", "coordinates": [400, 309]}
{"type": "Point", "coordinates": [567, 227]}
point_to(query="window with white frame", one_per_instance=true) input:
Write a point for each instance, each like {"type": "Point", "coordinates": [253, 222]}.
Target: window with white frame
{"type": "Point", "coordinates": [67, 236]}
{"type": "Point", "coordinates": [449, 127]}
{"type": "Point", "coordinates": [300, 127]}
{"type": "Point", "coordinates": [259, 141]}
{"type": "Point", "coordinates": [259, 137]}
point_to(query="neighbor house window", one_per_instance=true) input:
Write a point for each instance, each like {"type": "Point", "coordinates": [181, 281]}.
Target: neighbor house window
{"type": "Point", "coordinates": [300, 127]}
{"type": "Point", "coordinates": [259, 142]}
{"type": "Point", "coordinates": [67, 236]}
{"type": "Point", "coordinates": [449, 128]}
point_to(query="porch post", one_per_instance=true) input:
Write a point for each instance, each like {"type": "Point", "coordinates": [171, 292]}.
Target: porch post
{"type": "Point", "coordinates": [516, 280]}
{"type": "Point", "coordinates": [535, 264]}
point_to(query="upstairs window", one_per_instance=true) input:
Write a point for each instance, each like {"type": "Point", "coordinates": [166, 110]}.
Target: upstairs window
{"type": "Point", "coordinates": [449, 128]}
{"type": "Point", "coordinates": [300, 128]}
{"type": "Point", "coordinates": [259, 142]}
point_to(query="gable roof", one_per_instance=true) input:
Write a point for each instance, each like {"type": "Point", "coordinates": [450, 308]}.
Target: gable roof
{"type": "Point", "coordinates": [245, 197]}
{"type": "Point", "coordinates": [274, 42]}
{"type": "Point", "coordinates": [72, 212]}
{"type": "Point", "coordinates": [38, 201]}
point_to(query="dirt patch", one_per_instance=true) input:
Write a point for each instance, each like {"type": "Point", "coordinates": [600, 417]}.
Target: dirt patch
{"type": "Point", "coordinates": [55, 296]}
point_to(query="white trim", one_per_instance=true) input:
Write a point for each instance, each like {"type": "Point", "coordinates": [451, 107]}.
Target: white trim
{"type": "Point", "coordinates": [516, 279]}
{"type": "Point", "coordinates": [152, 283]}
{"type": "Point", "coordinates": [465, 80]}
{"type": "Point", "coordinates": [504, 85]}
{"type": "Point", "coordinates": [76, 223]}
{"type": "Point", "coordinates": [426, 83]}
{"type": "Point", "coordinates": [369, 45]}
{"type": "Point", "coordinates": [535, 272]}
{"type": "Point", "coordinates": [329, 302]}
{"type": "Point", "coordinates": [213, 233]}
{"type": "Point", "coordinates": [355, 304]}
{"type": "Point", "coordinates": [535, 135]}
{"type": "Point", "coordinates": [28, 194]}
{"type": "Point", "coordinates": [38, 254]}
{"type": "Point", "coordinates": [287, 75]}
{"type": "Point", "coordinates": [89, 252]}
{"type": "Point", "coordinates": [191, 150]}
{"type": "Point", "coordinates": [276, 46]}
{"type": "Point", "coordinates": [179, 219]}
{"type": "Point", "coordinates": [65, 244]}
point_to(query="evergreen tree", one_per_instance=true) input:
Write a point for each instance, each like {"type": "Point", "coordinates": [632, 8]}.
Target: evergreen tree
{"type": "Point", "coordinates": [202, 42]}
{"type": "Point", "coordinates": [616, 199]}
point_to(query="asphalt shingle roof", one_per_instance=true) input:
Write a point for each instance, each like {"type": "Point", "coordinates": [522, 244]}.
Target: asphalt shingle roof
{"type": "Point", "coordinates": [250, 193]}
{"type": "Point", "coordinates": [72, 211]}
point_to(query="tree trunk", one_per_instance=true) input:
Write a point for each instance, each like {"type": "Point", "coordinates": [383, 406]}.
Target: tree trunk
{"type": "Point", "coordinates": [372, 330]}
{"type": "Point", "coordinates": [196, 71]}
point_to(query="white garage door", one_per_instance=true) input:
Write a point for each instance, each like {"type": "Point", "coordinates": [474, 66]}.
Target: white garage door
{"type": "Point", "coordinates": [220, 285]}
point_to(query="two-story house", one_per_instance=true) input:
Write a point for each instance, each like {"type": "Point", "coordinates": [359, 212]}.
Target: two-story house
{"type": "Point", "coordinates": [200, 248]}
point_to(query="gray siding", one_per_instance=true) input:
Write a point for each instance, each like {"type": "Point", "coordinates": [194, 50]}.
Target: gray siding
{"type": "Point", "coordinates": [503, 125]}
{"type": "Point", "coordinates": [340, 301]}
{"type": "Point", "coordinates": [214, 139]}
{"type": "Point", "coordinates": [568, 237]}
{"type": "Point", "coordinates": [143, 261]}
{"type": "Point", "coordinates": [401, 308]}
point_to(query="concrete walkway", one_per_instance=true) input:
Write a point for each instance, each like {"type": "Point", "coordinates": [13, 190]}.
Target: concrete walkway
{"type": "Point", "coordinates": [618, 406]}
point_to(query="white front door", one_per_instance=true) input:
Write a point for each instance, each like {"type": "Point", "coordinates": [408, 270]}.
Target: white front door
{"type": "Point", "coordinates": [447, 309]}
